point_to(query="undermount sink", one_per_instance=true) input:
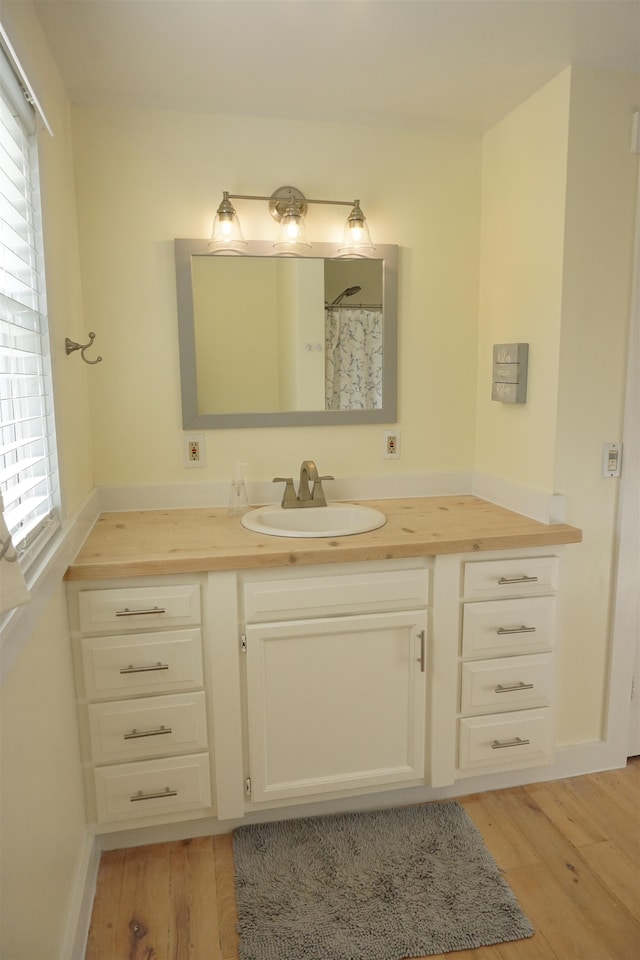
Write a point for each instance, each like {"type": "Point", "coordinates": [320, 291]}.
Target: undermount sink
{"type": "Point", "coordinates": [334, 520]}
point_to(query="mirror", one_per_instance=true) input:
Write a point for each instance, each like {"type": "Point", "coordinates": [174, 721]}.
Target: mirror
{"type": "Point", "coordinates": [285, 341]}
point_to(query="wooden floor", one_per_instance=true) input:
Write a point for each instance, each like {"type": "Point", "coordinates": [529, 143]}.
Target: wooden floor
{"type": "Point", "coordinates": [570, 851]}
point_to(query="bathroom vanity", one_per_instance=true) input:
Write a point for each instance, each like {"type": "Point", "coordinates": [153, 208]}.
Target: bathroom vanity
{"type": "Point", "coordinates": [225, 674]}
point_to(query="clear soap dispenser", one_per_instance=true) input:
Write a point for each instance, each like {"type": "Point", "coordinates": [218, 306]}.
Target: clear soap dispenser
{"type": "Point", "coordinates": [238, 501]}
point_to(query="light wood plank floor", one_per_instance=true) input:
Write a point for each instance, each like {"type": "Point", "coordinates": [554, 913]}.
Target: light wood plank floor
{"type": "Point", "coordinates": [570, 851]}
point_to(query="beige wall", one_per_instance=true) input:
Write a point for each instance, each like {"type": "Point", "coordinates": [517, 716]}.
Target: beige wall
{"type": "Point", "coordinates": [596, 302]}
{"type": "Point", "coordinates": [523, 201]}
{"type": "Point", "coordinates": [42, 805]}
{"type": "Point", "coordinates": [558, 202]}
{"type": "Point", "coordinates": [42, 820]}
{"type": "Point", "coordinates": [147, 176]}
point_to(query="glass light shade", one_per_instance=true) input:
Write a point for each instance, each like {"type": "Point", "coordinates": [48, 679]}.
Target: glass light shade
{"type": "Point", "coordinates": [356, 241]}
{"type": "Point", "coordinates": [292, 234]}
{"type": "Point", "coordinates": [227, 233]}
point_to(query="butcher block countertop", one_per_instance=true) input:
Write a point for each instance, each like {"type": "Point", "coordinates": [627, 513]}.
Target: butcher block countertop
{"type": "Point", "coordinates": [151, 542]}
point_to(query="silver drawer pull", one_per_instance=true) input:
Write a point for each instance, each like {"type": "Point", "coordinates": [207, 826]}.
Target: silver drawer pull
{"type": "Point", "coordinates": [139, 613]}
{"type": "Point", "coordinates": [167, 792]}
{"type": "Point", "coordinates": [147, 669]}
{"type": "Point", "coordinates": [502, 744]}
{"type": "Point", "coordinates": [503, 631]}
{"type": "Point", "coordinates": [506, 580]}
{"type": "Point", "coordinates": [513, 686]}
{"type": "Point", "coordinates": [136, 734]}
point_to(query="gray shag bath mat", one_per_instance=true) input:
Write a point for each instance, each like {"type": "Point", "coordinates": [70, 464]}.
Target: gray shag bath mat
{"type": "Point", "coordinates": [382, 885]}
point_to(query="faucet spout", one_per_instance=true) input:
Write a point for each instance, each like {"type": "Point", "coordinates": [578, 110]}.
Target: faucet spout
{"type": "Point", "coordinates": [308, 472]}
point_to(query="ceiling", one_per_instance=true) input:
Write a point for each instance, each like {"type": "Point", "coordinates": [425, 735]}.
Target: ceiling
{"type": "Point", "coordinates": [465, 63]}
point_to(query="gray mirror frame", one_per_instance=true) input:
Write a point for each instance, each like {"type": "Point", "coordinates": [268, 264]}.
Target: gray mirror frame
{"type": "Point", "coordinates": [191, 419]}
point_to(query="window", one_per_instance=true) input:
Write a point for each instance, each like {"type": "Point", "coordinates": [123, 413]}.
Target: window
{"type": "Point", "coordinates": [28, 464]}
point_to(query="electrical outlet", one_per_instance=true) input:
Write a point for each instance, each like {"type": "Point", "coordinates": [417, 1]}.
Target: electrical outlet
{"type": "Point", "coordinates": [391, 445]}
{"type": "Point", "coordinates": [194, 455]}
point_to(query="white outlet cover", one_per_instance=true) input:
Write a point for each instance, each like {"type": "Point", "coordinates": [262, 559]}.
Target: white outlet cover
{"type": "Point", "coordinates": [186, 444]}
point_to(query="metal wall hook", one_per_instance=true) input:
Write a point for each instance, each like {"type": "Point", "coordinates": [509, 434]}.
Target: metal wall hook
{"type": "Point", "coordinates": [71, 345]}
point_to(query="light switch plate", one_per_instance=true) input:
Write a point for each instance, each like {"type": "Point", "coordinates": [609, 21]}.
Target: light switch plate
{"type": "Point", "coordinates": [611, 459]}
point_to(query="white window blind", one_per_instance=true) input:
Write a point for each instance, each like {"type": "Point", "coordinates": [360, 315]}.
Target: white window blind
{"type": "Point", "coordinates": [28, 463]}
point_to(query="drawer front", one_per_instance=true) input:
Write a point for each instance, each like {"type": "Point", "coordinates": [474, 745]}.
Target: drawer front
{"type": "Point", "coordinates": [510, 578]}
{"type": "Point", "coordinates": [517, 739]}
{"type": "Point", "coordinates": [293, 599]}
{"type": "Point", "coordinates": [136, 608]}
{"type": "Point", "coordinates": [152, 788]}
{"type": "Point", "coordinates": [141, 664]}
{"type": "Point", "coordinates": [511, 683]}
{"type": "Point", "coordinates": [493, 628]}
{"type": "Point", "coordinates": [150, 727]}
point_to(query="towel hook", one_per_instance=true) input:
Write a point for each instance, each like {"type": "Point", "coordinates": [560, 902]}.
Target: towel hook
{"type": "Point", "coordinates": [71, 345]}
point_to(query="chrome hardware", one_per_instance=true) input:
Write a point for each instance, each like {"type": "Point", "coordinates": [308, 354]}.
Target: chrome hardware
{"type": "Point", "coordinates": [136, 734]}
{"type": "Point", "coordinates": [306, 497]}
{"type": "Point", "coordinates": [502, 744]}
{"type": "Point", "coordinates": [71, 345]}
{"type": "Point", "coordinates": [512, 687]}
{"type": "Point", "coordinates": [147, 669]}
{"type": "Point", "coordinates": [139, 613]}
{"type": "Point", "coordinates": [423, 651]}
{"type": "Point", "coordinates": [167, 792]}
{"type": "Point", "coordinates": [502, 631]}
{"type": "Point", "coordinates": [506, 580]}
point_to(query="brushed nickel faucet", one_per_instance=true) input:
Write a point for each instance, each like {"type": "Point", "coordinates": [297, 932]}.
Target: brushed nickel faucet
{"type": "Point", "coordinates": [306, 496]}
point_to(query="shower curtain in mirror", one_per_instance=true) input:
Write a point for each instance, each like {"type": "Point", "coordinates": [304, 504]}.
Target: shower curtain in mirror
{"type": "Point", "coordinates": [353, 358]}
{"type": "Point", "coordinates": [13, 590]}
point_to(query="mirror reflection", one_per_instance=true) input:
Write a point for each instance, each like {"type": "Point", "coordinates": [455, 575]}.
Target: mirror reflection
{"type": "Point", "coordinates": [270, 340]}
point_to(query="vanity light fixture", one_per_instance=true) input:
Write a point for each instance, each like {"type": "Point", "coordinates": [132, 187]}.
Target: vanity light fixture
{"type": "Point", "coordinates": [288, 206]}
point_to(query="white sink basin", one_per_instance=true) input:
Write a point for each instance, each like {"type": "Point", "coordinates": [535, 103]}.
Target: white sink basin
{"type": "Point", "coordinates": [334, 520]}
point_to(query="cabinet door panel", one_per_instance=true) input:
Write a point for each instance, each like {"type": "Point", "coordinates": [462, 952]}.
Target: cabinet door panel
{"type": "Point", "coordinates": [335, 704]}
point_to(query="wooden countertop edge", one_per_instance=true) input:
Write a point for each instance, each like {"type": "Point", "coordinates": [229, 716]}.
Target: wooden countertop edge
{"type": "Point", "coordinates": [300, 552]}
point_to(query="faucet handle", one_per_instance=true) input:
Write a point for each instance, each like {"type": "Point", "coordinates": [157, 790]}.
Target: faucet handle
{"type": "Point", "coordinates": [289, 496]}
{"type": "Point", "coordinates": [318, 495]}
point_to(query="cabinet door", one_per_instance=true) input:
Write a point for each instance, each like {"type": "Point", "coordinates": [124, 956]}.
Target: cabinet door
{"type": "Point", "coordinates": [335, 704]}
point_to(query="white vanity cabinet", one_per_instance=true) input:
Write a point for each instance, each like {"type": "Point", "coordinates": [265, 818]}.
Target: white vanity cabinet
{"type": "Point", "coordinates": [138, 657]}
{"type": "Point", "coordinates": [505, 679]}
{"type": "Point", "coordinates": [336, 670]}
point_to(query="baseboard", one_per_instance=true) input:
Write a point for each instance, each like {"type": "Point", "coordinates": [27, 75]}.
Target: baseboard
{"type": "Point", "coordinates": [84, 888]}
{"type": "Point", "coordinates": [570, 761]}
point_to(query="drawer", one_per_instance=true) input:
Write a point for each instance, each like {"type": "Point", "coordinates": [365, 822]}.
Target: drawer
{"type": "Point", "coordinates": [133, 608]}
{"type": "Point", "coordinates": [510, 683]}
{"type": "Point", "coordinates": [141, 664]}
{"type": "Point", "coordinates": [493, 628]}
{"type": "Point", "coordinates": [304, 597]}
{"type": "Point", "coordinates": [152, 788]}
{"type": "Point", "coordinates": [150, 727]}
{"type": "Point", "coordinates": [509, 740]}
{"type": "Point", "coordinates": [510, 578]}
